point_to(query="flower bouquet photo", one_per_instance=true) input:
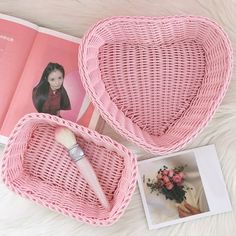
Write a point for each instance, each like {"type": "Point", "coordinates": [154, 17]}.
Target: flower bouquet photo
{"type": "Point", "coordinates": [170, 183]}
{"type": "Point", "coordinates": [181, 186]}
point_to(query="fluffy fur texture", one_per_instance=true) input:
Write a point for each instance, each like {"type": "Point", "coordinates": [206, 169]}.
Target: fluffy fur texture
{"type": "Point", "coordinates": [19, 216]}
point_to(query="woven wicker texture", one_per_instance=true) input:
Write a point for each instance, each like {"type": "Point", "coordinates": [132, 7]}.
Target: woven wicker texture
{"type": "Point", "coordinates": [157, 81]}
{"type": "Point", "coordinates": [38, 168]}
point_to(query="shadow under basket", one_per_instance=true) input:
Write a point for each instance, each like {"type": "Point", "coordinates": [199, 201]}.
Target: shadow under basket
{"type": "Point", "coordinates": [156, 80]}
{"type": "Point", "coordinates": [38, 168]}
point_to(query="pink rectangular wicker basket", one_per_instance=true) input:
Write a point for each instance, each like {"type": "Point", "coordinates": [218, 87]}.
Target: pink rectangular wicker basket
{"type": "Point", "coordinates": [38, 168]}
{"type": "Point", "coordinates": [156, 80]}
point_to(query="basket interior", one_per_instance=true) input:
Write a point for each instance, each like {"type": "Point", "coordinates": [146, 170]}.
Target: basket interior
{"type": "Point", "coordinates": [44, 172]}
{"type": "Point", "coordinates": [157, 76]}
{"type": "Point", "coordinates": [153, 95]}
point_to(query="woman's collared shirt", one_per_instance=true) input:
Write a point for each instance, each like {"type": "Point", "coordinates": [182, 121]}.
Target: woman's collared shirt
{"type": "Point", "coordinates": [53, 103]}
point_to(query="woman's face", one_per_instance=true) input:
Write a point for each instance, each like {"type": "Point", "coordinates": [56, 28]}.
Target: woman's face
{"type": "Point", "coordinates": [55, 79]}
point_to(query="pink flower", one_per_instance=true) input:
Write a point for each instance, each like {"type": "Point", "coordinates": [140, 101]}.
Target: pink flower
{"type": "Point", "coordinates": [169, 185]}
{"type": "Point", "coordinates": [171, 173]}
{"type": "Point", "coordinates": [165, 179]}
{"type": "Point", "coordinates": [165, 172]}
{"type": "Point", "coordinates": [177, 178]}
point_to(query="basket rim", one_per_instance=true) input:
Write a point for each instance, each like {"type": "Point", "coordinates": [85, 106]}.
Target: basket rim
{"type": "Point", "coordinates": [113, 216]}
{"type": "Point", "coordinates": [154, 149]}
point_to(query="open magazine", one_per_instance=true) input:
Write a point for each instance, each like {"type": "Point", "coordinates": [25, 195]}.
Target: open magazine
{"type": "Point", "coordinates": [183, 186]}
{"type": "Point", "coordinates": [26, 53]}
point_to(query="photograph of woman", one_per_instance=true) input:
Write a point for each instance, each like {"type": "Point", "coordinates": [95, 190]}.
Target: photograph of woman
{"type": "Point", "coordinates": [49, 95]}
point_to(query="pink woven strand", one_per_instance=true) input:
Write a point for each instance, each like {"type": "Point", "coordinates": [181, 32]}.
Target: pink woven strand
{"type": "Point", "coordinates": [156, 80]}
{"type": "Point", "coordinates": [36, 167]}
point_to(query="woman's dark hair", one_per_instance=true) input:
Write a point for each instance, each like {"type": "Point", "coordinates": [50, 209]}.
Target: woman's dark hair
{"type": "Point", "coordinates": [40, 91]}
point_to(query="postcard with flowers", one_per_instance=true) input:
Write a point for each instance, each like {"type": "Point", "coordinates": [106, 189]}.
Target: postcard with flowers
{"type": "Point", "coordinates": [182, 186]}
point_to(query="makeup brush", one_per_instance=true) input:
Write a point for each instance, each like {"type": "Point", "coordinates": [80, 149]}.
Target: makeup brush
{"type": "Point", "coordinates": [66, 137]}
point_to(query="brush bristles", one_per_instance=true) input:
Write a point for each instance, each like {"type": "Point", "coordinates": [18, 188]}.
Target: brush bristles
{"type": "Point", "coordinates": [65, 137]}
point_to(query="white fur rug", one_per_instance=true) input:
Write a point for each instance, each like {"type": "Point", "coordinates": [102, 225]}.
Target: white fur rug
{"type": "Point", "coordinates": [21, 217]}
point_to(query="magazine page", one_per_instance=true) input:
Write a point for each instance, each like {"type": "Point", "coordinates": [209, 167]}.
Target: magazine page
{"type": "Point", "coordinates": [183, 186]}
{"type": "Point", "coordinates": [14, 51]}
{"type": "Point", "coordinates": [50, 83]}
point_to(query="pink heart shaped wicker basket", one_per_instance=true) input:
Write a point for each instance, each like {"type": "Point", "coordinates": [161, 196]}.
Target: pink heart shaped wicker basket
{"type": "Point", "coordinates": [156, 80]}
{"type": "Point", "coordinates": [38, 168]}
